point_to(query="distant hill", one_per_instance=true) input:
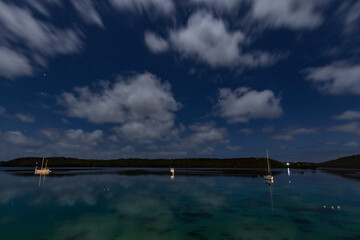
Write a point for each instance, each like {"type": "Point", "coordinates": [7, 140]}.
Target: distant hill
{"type": "Point", "coordinates": [344, 162]}
{"type": "Point", "coordinates": [136, 162]}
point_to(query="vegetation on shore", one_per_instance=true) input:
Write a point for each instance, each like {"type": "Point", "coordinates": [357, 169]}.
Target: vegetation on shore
{"type": "Point", "coordinates": [137, 162]}
{"type": "Point", "coordinates": [344, 162]}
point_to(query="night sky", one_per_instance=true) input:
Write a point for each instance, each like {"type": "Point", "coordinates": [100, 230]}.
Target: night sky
{"type": "Point", "coordinates": [176, 79]}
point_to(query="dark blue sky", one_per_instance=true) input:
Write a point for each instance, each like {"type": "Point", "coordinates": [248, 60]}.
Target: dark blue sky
{"type": "Point", "coordinates": [194, 78]}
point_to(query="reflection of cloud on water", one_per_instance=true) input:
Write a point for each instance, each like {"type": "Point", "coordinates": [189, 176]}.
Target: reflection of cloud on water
{"type": "Point", "coordinates": [69, 191]}
{"type": "Point", "coordinates": [12, 187]}
{"type": "Point", "coordinates": [90, 227]}
{"type": "Point", "coordinates": [70, 194]}
{"type": "Point", "coordinates": [7, 219]}
{"type": "Point", "coordinates": [88, 189]}
{"type": "Point", "coordinates": [8, 194]}
{"type": "Point", "coordinates": [95, 227]}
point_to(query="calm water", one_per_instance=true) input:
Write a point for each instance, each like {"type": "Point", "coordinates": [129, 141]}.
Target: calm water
{"type": "Point", "coordinates": [147, 204]}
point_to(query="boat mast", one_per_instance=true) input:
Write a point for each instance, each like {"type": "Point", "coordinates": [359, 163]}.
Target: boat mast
{"type": "Point", "coordinates": [268, 163]}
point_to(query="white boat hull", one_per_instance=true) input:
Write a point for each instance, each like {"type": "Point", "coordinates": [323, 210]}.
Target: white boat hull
{"type": "Point", "coordinates": [42, 171]}
{"type": "Point", "coordinates": [269, 178]}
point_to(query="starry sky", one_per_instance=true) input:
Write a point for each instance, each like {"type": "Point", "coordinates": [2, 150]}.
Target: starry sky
{"type": "Point", "coordinates": [177, 79]}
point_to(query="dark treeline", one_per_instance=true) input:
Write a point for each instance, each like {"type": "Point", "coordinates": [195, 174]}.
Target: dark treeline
{"type": "Point", "coordinates": [344, 162]}
{"type": "Point", "coordinates": [137, 162]}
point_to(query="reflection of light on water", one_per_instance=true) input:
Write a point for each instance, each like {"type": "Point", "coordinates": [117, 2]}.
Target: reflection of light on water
{"type": "Point", "coordinates": [270, 183]}
{"type": "Point", "coordinates": [288, 170]}
{"type": "Point", "coordinates": [271, 197]}
{"type": "Point", "coordinates": [332, 207]}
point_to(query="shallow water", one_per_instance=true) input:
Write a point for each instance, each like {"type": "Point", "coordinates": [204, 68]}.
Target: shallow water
{"type": "Point", "coordinates": [197, 204]}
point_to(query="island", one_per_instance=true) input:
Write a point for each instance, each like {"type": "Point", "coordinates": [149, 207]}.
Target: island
{"type": "Point", "coordinates": [158, 163]}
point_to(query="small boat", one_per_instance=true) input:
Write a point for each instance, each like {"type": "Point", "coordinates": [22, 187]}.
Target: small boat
{"type": "Point", "coordinates": [43, 171]}
{"type": "Point", "coordinates": [268, 178]}
{"type": "Point", "coordinates": [172, 171]}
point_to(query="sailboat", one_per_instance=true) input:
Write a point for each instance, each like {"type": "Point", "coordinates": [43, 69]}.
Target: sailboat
{"type": "Point", "coordinates": [268, 178]}
{"type": "Point", "coordinates": [43, 171]}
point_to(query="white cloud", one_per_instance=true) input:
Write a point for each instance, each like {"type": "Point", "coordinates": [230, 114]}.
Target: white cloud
{"type": "Point", "coordinates": [202, 138]}
{"type": "Point", "coordinates": [205, 151]}
{"type": "Point", "coordinates": [13, 64]}
{"type": "Point", "coordinates": [160, 7]}
{"type": "Point", "coordinates": [25, 118]}
{"type": "Point", "coordinates": [146, 131]}
{"type": "Point", "coordinates": [56, 142]}
{"type": "Point", "coordinates": [88, 12]}
{"type": "Point", "coordinates": [20, 116]}
{"type": "Point", "coordinates": [346, 144]}
{"type": "Point", "coordinates": [348, 115]}
{"type": "Point", "coordinates": [290, 133]}
{"type": "Point", "coordinates": [38, 7]}
{"type": "Point", "coordinates": [39, 40]}
{"type": "Point", "coordinates": [349, 13]}
{"type": "Point", "coordinates": [155, 43]}
{"type": "Point", "coordinates": [284, 137]}
{"type": "Point", "coordinates": [206, 133]}
{"type": "Point", "coordinates": [294, 14]}
{"type": "Point", "coordinates": [20, 23]}
{"type": "Point", "coordinates": [17, 138]}
{"type": "Point", "coordinates": [72, 139]}
{"type": "Point", "coordinates": [209, 40]}
{"type": "Point", "coordinates": [228, 5]}
{"type": "Point", "coordinates": [234, 148]}
{"type": "Point", "coordinates": [351, 144]}
{"type": "Point", "coordinates": [299, 131]}
{"type": "Point", "coordinates": [336, 79]}
{"type": "Point", "coordinates": [246, 131]}
{"type": "Point", "coordinates": [2, 110]}
{"type": "Point", "coordinates": [244, 104]}
{"type": "Point", "coordinates": [142, 96]}
{"type": "Point", "coordinates": [267, 129]}
{"type": "Point", "coordinates": [127, 149]}
{"type": "Point", "coordinates": [352, 127]}
{"type": "Point", "coordinates": [142, 104]}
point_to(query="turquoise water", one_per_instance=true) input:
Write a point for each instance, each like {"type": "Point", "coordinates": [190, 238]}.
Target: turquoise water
{"type": "Point", "coordinates": [196, 204]}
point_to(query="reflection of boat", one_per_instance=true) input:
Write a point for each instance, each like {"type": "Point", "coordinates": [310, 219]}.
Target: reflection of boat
{"type": "Point", "coordinates": [268, 178]}
{"type": "Point", "coordinates": [271, 197]}
{"type": "Point", "coordinates": [43, 171]}
{"type": "Point", "coordinates": [172, 171]}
